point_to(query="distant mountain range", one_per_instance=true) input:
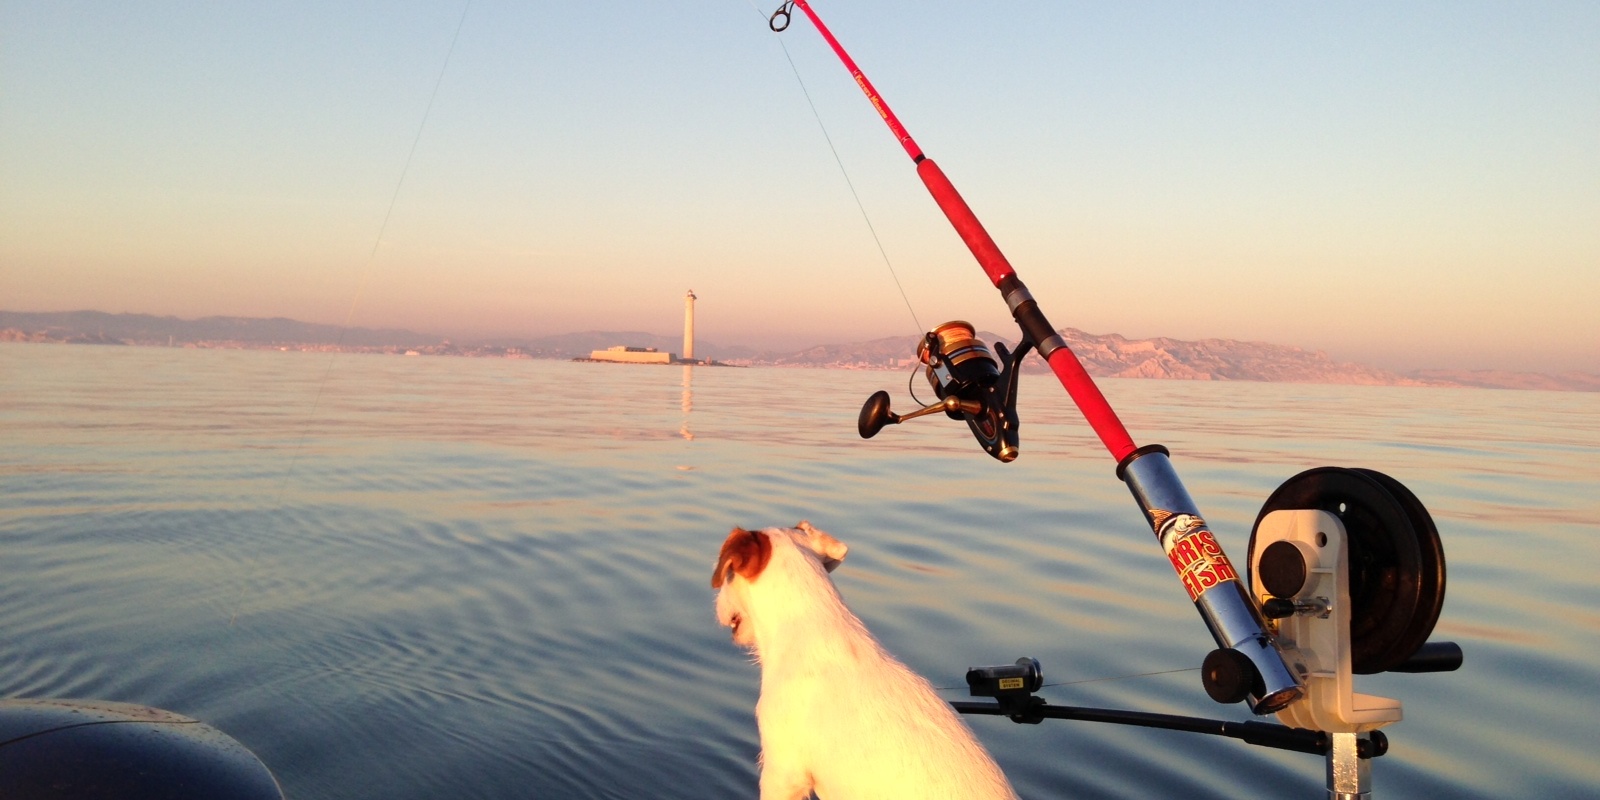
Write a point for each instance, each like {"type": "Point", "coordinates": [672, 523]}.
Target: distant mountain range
{"type": "Point", "coordinates": [98, 327]}
{"type": "Point", "coordinates": [1103, 355]}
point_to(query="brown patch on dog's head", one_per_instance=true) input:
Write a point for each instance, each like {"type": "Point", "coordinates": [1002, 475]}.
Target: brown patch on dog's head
{"type": "Point", "coordinates": [743, 553]}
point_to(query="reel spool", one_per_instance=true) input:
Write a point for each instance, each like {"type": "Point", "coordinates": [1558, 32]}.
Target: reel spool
{"type": "Point", "coordinates": [1396, 570]}
{"type": "Point", "coordinates": [956, 360]}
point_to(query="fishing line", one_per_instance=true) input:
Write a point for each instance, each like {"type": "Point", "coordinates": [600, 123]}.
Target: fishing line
{"type": "Point", "coordinates": [394, 199]}
{"type": "Point", "coordinates": [361, 284]}
{"type": "Point", "coordinates": [846, 173]}
{"type": "Point", "coordinates": [1097, 680]}
{"type": "Point", "coordinates": [1121, 677]}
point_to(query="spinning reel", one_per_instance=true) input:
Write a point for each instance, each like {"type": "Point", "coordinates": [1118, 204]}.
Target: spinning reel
{"type": "Point", "coordinates": [971, 384]}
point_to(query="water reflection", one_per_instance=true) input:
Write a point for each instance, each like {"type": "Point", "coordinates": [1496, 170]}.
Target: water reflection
{"type": "Point", "coordinates": [687, 402]}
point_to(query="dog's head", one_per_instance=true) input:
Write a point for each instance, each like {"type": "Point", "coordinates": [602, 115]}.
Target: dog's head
{"type": "Point", "coordinates": [748, 555]}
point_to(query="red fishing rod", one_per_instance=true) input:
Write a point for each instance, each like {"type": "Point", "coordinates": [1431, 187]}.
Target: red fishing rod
{"type": "Point", "coordinates": [1063, 362]}
{"type": "Point", "coordinates": [974, 386]}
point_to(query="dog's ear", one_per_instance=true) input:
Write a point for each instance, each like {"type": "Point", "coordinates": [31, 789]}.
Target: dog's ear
{"type": "Point", "coordinates": [830, 550]}
{"type": "Point", "coordinates": [744, 553]}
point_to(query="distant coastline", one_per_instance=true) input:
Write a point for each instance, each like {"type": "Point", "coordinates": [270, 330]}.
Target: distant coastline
{"type": "Point", "coordinates": [1103, 355]}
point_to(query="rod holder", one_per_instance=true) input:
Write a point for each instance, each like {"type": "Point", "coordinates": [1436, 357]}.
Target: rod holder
{"type": "Point", "coordinates": [1208, 576]}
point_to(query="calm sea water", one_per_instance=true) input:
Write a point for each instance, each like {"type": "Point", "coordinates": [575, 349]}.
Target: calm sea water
{"type": "Point", "coordinates": [433, 577]}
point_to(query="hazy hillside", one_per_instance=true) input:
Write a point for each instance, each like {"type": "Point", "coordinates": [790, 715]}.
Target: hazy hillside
{"type": "Point", "coordinates": [102, 328]}
{"type": "Point", "coordinates": [1103, 355]}
{"type": "Point", "coordinates": [1502, 379]}
{"type": "Point", "coordinates": [1113, 355]}
{"type": "Point", "coordinates": [98, 327]}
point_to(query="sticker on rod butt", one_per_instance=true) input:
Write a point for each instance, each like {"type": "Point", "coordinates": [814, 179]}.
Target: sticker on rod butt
{"type": "Point", "coordinates": [1195, 555]}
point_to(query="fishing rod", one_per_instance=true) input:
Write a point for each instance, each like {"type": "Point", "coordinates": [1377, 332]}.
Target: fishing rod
{"type": "Point", "coordinates": [1346, 567]}
{"type": "Point", "coordinates": [974, 386]}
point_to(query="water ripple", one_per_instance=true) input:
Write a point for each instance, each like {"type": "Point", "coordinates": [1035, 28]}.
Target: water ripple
{"type": "Point", "coordinates": [426, 584]}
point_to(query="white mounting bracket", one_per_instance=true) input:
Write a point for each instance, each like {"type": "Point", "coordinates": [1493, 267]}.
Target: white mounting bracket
{"type": "Point", "coordinates": [1315, 641]}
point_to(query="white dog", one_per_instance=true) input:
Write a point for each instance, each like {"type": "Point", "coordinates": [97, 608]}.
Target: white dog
{"type": "Point", "coordinates": [838, 714]}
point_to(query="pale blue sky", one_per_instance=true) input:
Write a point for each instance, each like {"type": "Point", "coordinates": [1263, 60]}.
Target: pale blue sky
{"type": "Point", "coordinates": [1405, 184]}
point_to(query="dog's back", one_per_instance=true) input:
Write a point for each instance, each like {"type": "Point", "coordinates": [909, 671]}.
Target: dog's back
{"type": "Point", "coordinates": [838, 713]}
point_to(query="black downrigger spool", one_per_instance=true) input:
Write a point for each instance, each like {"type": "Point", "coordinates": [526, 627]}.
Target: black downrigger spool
{"type": "Point", "coordinates": [1396, 566]}
{"type": "Point", "coordinates": [971, 385]}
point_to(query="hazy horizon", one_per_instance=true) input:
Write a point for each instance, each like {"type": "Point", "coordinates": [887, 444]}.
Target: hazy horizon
{"type": "Point", "coordinates": [1402, 186]}
{"type": "Point", "coordinates": [783, 349]}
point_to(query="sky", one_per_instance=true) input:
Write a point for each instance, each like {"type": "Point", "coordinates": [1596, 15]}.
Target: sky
{"type": "Point", "coordinates": [1406, 185]}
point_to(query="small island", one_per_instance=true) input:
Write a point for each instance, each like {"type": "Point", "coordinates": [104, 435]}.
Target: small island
{"type": "Point", "coordinates": [623, 354]}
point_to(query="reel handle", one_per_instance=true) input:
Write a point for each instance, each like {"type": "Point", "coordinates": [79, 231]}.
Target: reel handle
{"type": "Point", "coordinates": [875, 413]}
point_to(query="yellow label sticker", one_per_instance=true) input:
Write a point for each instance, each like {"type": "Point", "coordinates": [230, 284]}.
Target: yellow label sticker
{"type": "Point", "coordinates": [1011, 683]}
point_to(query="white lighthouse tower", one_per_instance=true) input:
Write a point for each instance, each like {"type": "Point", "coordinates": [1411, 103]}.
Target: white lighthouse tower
{"type": "Point", "coordinates": [688, 326]}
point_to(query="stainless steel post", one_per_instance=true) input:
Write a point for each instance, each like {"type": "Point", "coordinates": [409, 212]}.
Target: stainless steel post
{"type": "Point", "coordinates": [1349, 775]}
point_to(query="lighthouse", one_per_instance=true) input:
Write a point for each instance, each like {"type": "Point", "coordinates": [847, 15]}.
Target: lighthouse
{"type": "Point", "coordinates": [688, 326]}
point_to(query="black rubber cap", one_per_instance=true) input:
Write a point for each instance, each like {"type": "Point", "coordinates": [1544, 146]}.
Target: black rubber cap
{"type": "Point", "coordinates": [1227, 675]}
{"type": "Point", "coordinates": [1283, 569]}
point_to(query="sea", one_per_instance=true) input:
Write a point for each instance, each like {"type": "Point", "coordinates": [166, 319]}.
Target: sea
{"type": "Point", "coordinates": [432, 577]}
